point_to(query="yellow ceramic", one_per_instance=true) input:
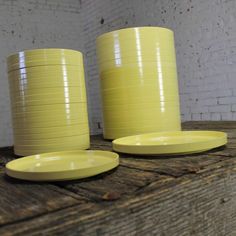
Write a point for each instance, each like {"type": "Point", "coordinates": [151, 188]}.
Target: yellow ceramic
{"type": "Point", "coordinates": [34, 128]}
{"type": "Point", "coordinates": [138, 95]}
{"type": "Point", "coordinates": [125, 131]}
{"type": "Point", "coordinates": [162, 107]}
{"type": "Point", "coordinates": [161, 60]}
{"type": "Point", "coordinates": [23, 124]}
{"type": "Point", "coordinates": [45, 116]}
{"type": "Point", "coordinates": [146, 55]}
{"type": "Point", "coordinates": [26, 85]}
{"type": "Point", "coordinates": [138, 78]}
{"type": "Point", "coordinates": [49, 141]}
{"type": "Point", "coordinates": [54, 131]}
{"type": "Point", "coordinates": [81, 142]}
{"type": "Point", "coordinates": [46, 76]}
{"type": "Point", "coordinates": [138, 124]}
{"type": "Point", "coordinates": [50, 71]}
{"type": "Point", "coordinates": [73, 107]}
{"type": "Point", "coordinates": [158, 35]}
{"type": "Point", "coordinates": [32, 150]}
{"type": "Point", "coordinates": [76, 130]}
{"type": "Point", "coordinates": [180, 142]}
{"type": "Point", "coordinates": [111, 66]}
{"type": "Point", "coordinates": [139, 84]}
{"type": "Point", "coordinates": [46, 92]}
{"type": "Point", "coordinates": [48, 100]}
{"type": "Point", "coordinates": [62, 121]}
{"type": "Point", "coordinates": [39, 57]}
{"type": "Point", "coordinates": [60, 166]}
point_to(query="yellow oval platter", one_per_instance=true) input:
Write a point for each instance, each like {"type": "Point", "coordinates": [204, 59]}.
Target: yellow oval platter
{"type": "Point", "coordinates": [60, 166]}
{"type": "Point", "coordinates": [169, 143]}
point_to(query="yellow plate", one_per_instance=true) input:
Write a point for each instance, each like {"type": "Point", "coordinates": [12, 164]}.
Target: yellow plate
{"type": "Point", "coordinates": [163, 59]}
{"type": "Point", "coordinates": [154, 91]}
{"type": "Point", "coordinates": [48, 71]}
{"type": "Point", "coordinates": [36, 121]}
{"type": "Point", "coordinates": [47, 56]}
{"type": "Point", "coordinates": [181, 142]}
{"type": "Point", "coordinates": [45, 101]}
{"type": "Point", "coordinates": [26, 151]}
{"type": "Point", "coordinates": [60, 166]}
{"type": "Point", "coordinates": [47, 124]}
{"type": "Point", "coordinates": [73, 112]}
{"type": "Point", "coordinates": [49, 93]}
{"type": "Point", "coordinates": [56, 108]}
{"type": "Point", "coordinates": [21, 134]}
{"type": "Point", "coordinates": [147, 73]}
{"type": "Point", "coordinates": [124, 132]}
{"type": "Point", "coordinates": [82, 142]}
{"type": "Point", "coordinates": [57, 130]}
{"type": "Point", "coordinates": [66, 140]}
{"type": "Point", "coordinates": [151, 64]}
{"type": "Point", "coordinates": [28, 85]}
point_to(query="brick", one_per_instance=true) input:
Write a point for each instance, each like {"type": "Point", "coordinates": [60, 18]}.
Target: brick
{"type": "Point", "coordinates": [233, 108]}
{"type": "Point", "coordinates": [196, 117]}
{"type": "Point", "coordinates": [215, 116]}
{"type": "Point", "coordinates": [227, 100]}
{"type": "Point", "coordinates": [227, 116]}
{"type": "Point", "coordinates": [220, 108]}
{"type": "Point", "coordinates": [199, 109]}
{"type": "Point", "coordinates": [206, 116]}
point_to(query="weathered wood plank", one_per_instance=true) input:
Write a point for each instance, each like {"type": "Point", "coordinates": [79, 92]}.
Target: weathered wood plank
{"type": "Point", "coordinates": [178, 195]}
{"type": "Point", "coordinates": [6, 155]}
{"type": "Point", "coordinates": [112, 185]}
{"type": "Point", "coordinates": [202, 204]}
{"type": "Point", "coordinates": [22, 200]}
{"type": "Point", "coordinates": [211, 125]}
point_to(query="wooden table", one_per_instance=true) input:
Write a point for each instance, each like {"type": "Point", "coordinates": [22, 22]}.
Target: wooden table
{"type": "Point", "coordinates": [167, 196]}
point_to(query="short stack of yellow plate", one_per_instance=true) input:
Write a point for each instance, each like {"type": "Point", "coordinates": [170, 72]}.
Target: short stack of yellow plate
{"type": "Point", "coordinates": [139, 84]}
{"type": "Point", "coordinates": [48, 98]}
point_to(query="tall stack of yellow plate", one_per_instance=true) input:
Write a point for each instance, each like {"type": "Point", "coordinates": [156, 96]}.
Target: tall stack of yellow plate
{"type": "Point", "coordinates": [48, 98]}
{"type": "Point", "coordinates": [139, 84]}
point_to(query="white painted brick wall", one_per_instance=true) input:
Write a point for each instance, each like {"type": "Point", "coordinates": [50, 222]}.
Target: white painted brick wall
{"type": "Point", "coordinates": [99, 17]}
{"type": "Point", "coordinates": [205, 39]}
{"type": "Point", "coordinates": [205, 46]}
{"type": "Point", "coordinates": [29, 24]}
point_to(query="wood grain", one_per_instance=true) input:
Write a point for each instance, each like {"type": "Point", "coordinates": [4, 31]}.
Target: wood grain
{"type": "Point", "coordinates": [178, 195]}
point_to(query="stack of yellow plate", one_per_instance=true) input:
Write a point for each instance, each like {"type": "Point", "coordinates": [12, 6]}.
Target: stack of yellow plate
{"type": "Point", "coordinates": [48, 96]}
{"type": "Point", "coordinates": [138, 81]}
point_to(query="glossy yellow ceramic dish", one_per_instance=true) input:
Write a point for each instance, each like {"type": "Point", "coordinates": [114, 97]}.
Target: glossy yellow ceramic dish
{"type": "Point", "coordinates": [151, 91]}
{"type": "Point", "coordinates": [139, 84]}
{"type": "Point", "coordinates": [39, 57]}
{"type": "Point", "coordinates": [48, 101]}
{"type": "Point", "coordinates": [77, 107]}
{"type": "Point", "coordinates": [25, 85]}
{"type": "Point", "coordinates": [50, 117]}
{"type": "Point", "coordinates": [110, 66]}
{"type": "Point", "coordinates": [44, 71]}
{"type": "Point", "coordinates": [181, 142]}
{"type": "Point", "coordinates": [80, 142]}
{"type": "Point", "coordinates": [60, 132]}
{"type": "Point", "coordinates": [50, 141]}
{"type": "Point", "coordinates": [49, 93]}
{"type": "Point", "coordinates": [60, 166]}
{"type": "Point", "coordinates": [57, 110]}
{"type": "Point", "coordinates": [44, 76]}
{"type": "Point", "coordinates": [22, 124]}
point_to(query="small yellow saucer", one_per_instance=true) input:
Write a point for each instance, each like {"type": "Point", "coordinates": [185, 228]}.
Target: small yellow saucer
{"type": "Point", "coordinates": [170, 143]}
{"type": "Point", "coordinates": [60, 166]}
